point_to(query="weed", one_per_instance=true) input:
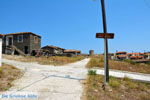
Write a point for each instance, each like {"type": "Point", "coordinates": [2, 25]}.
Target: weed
{"type": "Point", "coordinates": [144, 97]}
{"type": "Point", "coordinates": [126, 65]}
{"type": "Point", "coordinates": [126, 79]}
{"type": "Point", "coordinates": [95, 62]}
{"type": "Point", "coordinates": [131, 85]}
{"type": "Point", "coordinates": [91, 72]}
{"type": "Point", "coordinates": [122, 89]}
{"type": "Point", "coordinates": [114, 82]}
{"type": "Point", "coordinates": [54, 60]}
{"type": "Point", "coordinates": [7, 75]}
{"type": "Point", "coordinates": [1, 70]}
{"type": "Point", "coordinates": [129, 61]}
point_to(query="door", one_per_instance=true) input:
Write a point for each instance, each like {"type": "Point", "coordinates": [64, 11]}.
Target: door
{"type": "Point", "coordinates": [26, 49]}
{"type": "Point", "coordinates": [10, 40]}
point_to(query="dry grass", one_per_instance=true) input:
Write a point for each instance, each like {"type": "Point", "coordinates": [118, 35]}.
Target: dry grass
{"type": "Point", "coordinates": [7, 75]}
{"type": "Point", "coordinates": [119, 89]}
{"type": "Point", "coordinates": [120, 65]}
{"type": "Point", "coordinates": [54, 60]}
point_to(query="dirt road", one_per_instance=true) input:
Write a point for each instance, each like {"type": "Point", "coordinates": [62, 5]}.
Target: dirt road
{"type": "Point", "coordinates": [45, 82]}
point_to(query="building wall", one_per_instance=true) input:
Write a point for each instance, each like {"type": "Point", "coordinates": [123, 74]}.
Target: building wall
{"type": "Point", "coordinates": [91, 52]}
{"type": "Point", "coordinates": [58, 51]}
{"type": "Point", "coordinates": [53, 50]}
{"type": "Point", "coordinates": [50, 50]}
{"type": "Point", "coordinates": [21, 45]}
{"type": "Point", "coordinates": [34, 45]}
{"type": "Point", "coordinates": [28, 40]}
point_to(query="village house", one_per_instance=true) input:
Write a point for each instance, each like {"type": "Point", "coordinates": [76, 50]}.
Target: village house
{"type": "Point", "coordinates": [132, 56]}
{"type": "Point", "coordinates": [72, 52]}
{"type": "Point", "coordinates": [147, 55]}
{"type": "Point", "coordinates": [28, 43]}
{"type": "Point", "coordinates": [22, 43]}
{"type": "Point", "coordinates": [120, 55]}
{"type": "Point", "coordinates": [135, 55]}
{"type": "Point", "coordinates": [52, 50]}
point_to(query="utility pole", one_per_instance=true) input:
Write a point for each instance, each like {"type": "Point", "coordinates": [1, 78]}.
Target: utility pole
{"type": "Point", "coordinates": [106, 36]}
{"type": "Point", "coordinates": [106, 67]}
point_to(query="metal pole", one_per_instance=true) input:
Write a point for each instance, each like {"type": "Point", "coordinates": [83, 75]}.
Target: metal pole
{"type": "Point", "coordinates": [106, 67]}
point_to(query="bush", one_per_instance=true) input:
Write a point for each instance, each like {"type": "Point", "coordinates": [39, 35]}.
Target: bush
{"type": "Point", "coordinates": [8, 74]}
{"type": "Point", "coordinates": [114, 82]}
{"type": "Point", "coordinates": [95, 62]}
{"type": "Point", "coordinates": [91, 72]}
{"type": "Point", "coordinates": [130, 61]}
{"type": "Point", "coordinates": [1, 72]}
{"type": "Point", "coordinates": [0, 69]}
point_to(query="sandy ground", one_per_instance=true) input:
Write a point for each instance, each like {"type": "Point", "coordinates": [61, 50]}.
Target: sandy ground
{"type": "Point", "coordinates": [46, 82]}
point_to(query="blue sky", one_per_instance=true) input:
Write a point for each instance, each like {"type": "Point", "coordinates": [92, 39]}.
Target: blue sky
{"type": "Point", "coordinates": [72, 24]}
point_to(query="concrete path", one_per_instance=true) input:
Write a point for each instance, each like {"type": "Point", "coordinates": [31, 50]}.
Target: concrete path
{"type": "Point", "coordinates": [46, 82]}
{"type": "Point", "coordinates": [122, 74]}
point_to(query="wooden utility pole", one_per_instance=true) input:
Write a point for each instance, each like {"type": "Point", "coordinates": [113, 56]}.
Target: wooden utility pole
{"type": "Point", "coordinates": [106, 67]}
{"type": "Point", "coordinates": [106, 36]}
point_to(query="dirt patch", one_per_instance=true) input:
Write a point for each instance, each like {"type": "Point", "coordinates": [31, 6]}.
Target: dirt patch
{"type": "Point", "coordinates": [7, 75]}
{"type": "Point", "coordinates": [118, 89]}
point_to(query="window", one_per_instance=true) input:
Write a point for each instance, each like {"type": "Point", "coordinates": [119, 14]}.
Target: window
{"type": "Point", "coordinates": [20, 38]}
{"type": "Point", "coordinates": [36, 40]}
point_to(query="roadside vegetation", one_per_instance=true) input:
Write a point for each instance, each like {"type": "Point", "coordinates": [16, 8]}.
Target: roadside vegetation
{"type": "Point", "coordinates": [54, 60]}
{"type": "Point", "coordinates": [127, 65]}
{"type": "Point", "coordinates": [118, 89]}
{"type": "Point", "coordinates": [7, 75]}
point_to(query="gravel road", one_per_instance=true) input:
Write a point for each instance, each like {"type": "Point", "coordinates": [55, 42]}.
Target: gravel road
{"type": "Point", "coordinates": [46, 82]}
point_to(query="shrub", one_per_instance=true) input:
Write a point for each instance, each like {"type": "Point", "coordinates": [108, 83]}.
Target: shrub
{"type": "Point", "coordinates": [95, 62]}
{"type": "Point", "coordinates": [91, 72]}
{"type": "Point", "coordinates": [130, 61]}
{"type": "Point", "coordinates": [8, 74]}
{"type": "Point", "coordinates": [114, 82]}
{"type": "Point", "coordinates": [1, 72]}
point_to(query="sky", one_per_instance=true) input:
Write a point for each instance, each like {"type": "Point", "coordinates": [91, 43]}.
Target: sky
{"type": "Point", "coordinates": [73, 24]}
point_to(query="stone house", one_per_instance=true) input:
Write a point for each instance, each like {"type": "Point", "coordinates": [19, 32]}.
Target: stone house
{"type": "Point", "coordinates": [21, 43]}
{"type": "Point", "coordinates": [71, 52]}
{"type": "Point", "coordinates": [52, 50]}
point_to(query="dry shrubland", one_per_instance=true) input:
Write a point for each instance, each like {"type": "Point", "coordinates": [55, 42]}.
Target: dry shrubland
{"type": "Point", "coordinates": [54, 60]}
{"type": "Point", "coordinates": [118, 89]}
{"type": "Point", "coordinates": [7, 75]}
{"type": "Point", "coordinates": [120, 65]}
